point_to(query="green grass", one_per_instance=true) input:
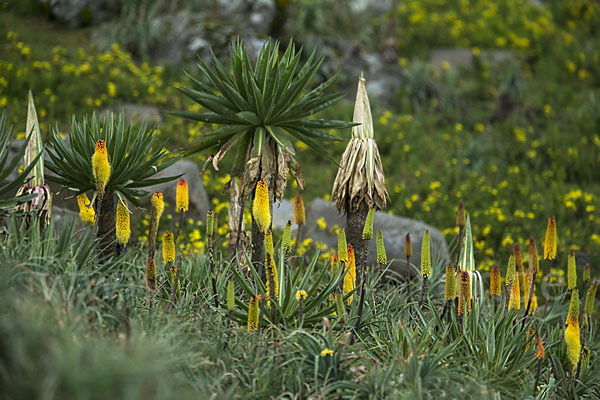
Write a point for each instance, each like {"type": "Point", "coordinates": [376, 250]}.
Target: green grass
{"type": "Point", "coordinates": [73, 328]}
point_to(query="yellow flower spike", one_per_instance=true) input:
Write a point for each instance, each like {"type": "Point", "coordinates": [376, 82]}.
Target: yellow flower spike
{"type": "Point", "coordinates": [572, 335]}
{"type": "Point", "coordinates": [510, 272]}
{"type": "Point", "coordinates": [168, 247]}
{"type": "Point", "coordinates": [181, 196]}
{"type": "Point", "coordinates": [150, 274]}
{"type": "Point", "coordinates": [368, 229]}
{"type": "Point", "coordinates": [350, 277]}
{"type": "Point", "coordinates": [86, 211]}
{"type": "Point", "coordinates": [426, 256]}
{"type": "Point", "coordinates": [586, 274]}
{"type": "Point", "coordinates": [342, 246]}
{"type": "Point", "coordinates": [495, 280]}
{"type": "Point", "coordinates": [299, 214]}
{"type": "Point", "coordinates": [450, 286]}
{"type": "Point", "coordinates": [520, 269]}
{"type": "Point", "coordinates": [210, 222]}
{"type": "Point", "coordinates": [301, 294]}
{"type": "Point", "coordinates": [123, 227]}
{"type": "Point", "coordinates": [515, 295]}
{"type": "Point", "coordinates": [230, 296]}
{"type": "Point", "coordinates": [533, 257]}
{"type": "Point", "coordinates": [464, 293]}
{"type": "Point", "coordinates": [541, 352]}
{"type": "Point", "coordinates": [550, 242]}
{"type": "Point", "coordinates": [407, 246]}
{"type": "Point", "coordinates": [590, 298]}
{"type": "Point", "coordinates": [269, 242]}
{"type": "Point", "coordinates": [335, 265]}
{"type": "Point", "coordinates": [260, 206]}
{"type": "Point", "coordinates": [381, 256]}
{"type": "Point", "coordinates": [253, 315]}
{"type": "Point", "coordinates": [461, 219]}
{"type": "Point", "coordinates": [158, 204]}
{"type": "Point", "coordinates": [100, 167]}
{"type": "Point", "coordinates": [571, 271]}
{"type": "Point", "coordinates": [326, 352]}
{"type": "Point", "coordinates": [286, 239]}
{"type": "Point", "coordinates": [271, 270]}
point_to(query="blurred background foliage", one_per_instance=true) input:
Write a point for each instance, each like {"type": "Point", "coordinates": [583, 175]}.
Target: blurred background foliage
{"type": "Point", "coordinates": [492, 102]}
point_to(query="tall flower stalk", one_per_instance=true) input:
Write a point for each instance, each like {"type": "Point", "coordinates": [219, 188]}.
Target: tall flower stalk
{"type": "Point", "coordinates": [210, 222]}
{"type": "Point", "coordinates": [572, 334]}
{"type": "Point", "coordinates": [449, 291]}
{"type": "Point", "coordinates": [460, 223]}
{"type": "Point", "coordinates": [495, 285]}
{"type": "Point", "coordinates": [510, 279]}
{"type": "Point", "coordinates": [299, 217]}
{"type": "Point", "coordinates": [360, 182]}
{"type": "Point", "coordinates": [425, 265]}
{"type": "Point", "coordinates": [534, 266]}
{"type": "Point", "coordinates": [408, 250]}
{"type": "Point", "coordinates": [181, 202]}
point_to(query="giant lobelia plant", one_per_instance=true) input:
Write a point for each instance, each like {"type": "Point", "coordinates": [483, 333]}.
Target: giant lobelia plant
{"type": "Point", "coordinates": [132, 157]}
{"type": "Point", "coordinates": [261, 109]}
{"type": "Point", "coordinates": [360, 182]}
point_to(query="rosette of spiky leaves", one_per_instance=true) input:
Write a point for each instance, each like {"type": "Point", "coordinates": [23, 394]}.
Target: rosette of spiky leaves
{"type": "Point", "coordinates": [9, 163]}
{"type": "Point", "coordinates": [134, 155]}
{"type": "Point", "coordinates": [261, 110]}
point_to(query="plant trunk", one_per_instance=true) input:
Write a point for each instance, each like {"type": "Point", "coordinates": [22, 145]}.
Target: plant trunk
{"type": "Point", "coordinates": [355, 224]}
{"type": "Point", "coordinates": [106, 226]}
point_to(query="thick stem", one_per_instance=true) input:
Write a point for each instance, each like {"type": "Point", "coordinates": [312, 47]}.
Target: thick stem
{"type": "Point", "coordinates": [355, 224]}
{"type": "Point", "coordinates": [106, 225]}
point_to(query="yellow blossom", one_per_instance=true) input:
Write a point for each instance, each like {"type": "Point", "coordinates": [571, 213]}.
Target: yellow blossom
{"type": "Point", "coordinates": [123, 227]}
{"type": "Point", "coordinates": [182, 199]}
{"type": "Point", "coordinates": [326, 352]}
{"type": "Point", "coordinates": [86, 211]}
{"type": "Point", "coordinates": [260, 206]}
{"type": "Point", "coordinates": [168, 247]}
{"type": "Point", "coordinates": [100, 167]}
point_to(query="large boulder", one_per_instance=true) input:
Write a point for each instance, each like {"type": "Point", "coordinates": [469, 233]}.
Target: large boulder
{"type": "Point", "coordinates": [322, 221]}
{"type": "Point", "coordinates": [199, 202]}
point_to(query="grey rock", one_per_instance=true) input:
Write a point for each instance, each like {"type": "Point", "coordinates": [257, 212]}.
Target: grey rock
{"type": "Point", "coordinates": [63, 216]}
{"type": "Point", "coordinates": [199, 202]}
{"type": "Point", "coordinates": [77, 13]}
{"type": "Point", "coordinates": [394, 230]}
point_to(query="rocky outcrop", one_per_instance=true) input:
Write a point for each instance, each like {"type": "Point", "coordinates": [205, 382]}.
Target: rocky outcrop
{"type": "Point", "coordinates": [322, 221]}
